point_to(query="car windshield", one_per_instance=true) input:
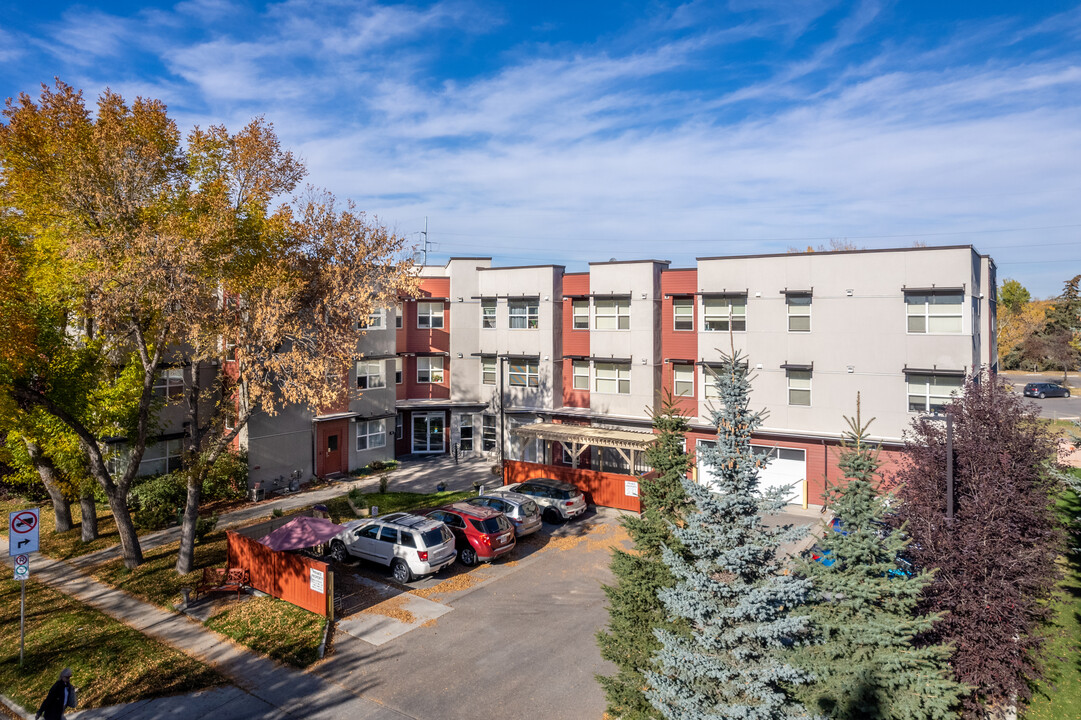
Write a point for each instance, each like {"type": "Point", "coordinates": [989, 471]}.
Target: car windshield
{"type": "Point", "coordinates": [432, 537]}
{"type": "Point", "coordinates": [491, 525]}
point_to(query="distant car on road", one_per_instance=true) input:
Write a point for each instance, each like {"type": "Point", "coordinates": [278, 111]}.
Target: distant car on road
{"type": "Point", "coordinates": [1045, 390]}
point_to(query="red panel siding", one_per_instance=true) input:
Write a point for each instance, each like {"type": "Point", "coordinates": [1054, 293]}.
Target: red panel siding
{"type": "Point", "coordinates": [603, 489]}
{"type": "Point", "coordinates": [575, 342]}
{"type": "Point", "coordinates": [284, 575]}
{"type": "Point", "coordinates": [410, 389]}
{"type": "Point", "coordinates": [684, 343]}
{"type": "Point", "coordinates": [687, 405]}
{"type": "Point", "coordinates": [410, 338]}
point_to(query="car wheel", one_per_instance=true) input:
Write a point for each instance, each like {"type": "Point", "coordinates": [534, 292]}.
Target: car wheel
{"type": "Point", "coordinates": [1042, 395]}
{"type": "Point", "coordinates": [468, 556]}
{"type": "Point", "coordinates": [400, 571]}
{"type": "Point", "coordinates": [551, 515]}
{"type": "Point", "coordinates": [338, 551]}
{"type": "Point", "coordinates": [1067, 394]}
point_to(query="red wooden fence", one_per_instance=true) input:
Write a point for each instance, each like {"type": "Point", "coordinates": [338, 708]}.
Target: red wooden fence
{"type": "Point", "coordinates": [601, 488]}
{"type": "Point", "coordinates": [284, 575]}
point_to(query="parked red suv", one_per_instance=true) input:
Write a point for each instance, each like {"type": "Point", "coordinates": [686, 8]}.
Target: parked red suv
{"type": "Point", "coordinates": [480, 533]}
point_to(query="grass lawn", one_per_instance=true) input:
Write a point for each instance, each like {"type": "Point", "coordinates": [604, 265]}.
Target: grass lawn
{"type": "Point", "coordinates": [1058, 697]}
{"type": "Point", "coordinates": [111, 663]}
{"type": "Point", "coordinates": [273, 627]}
{"type": "Point", "coordinates": [405, 501]}
{"type": "Point", "coordinates": [70, 544]}
{"type": "Point", "coordinates": [156, 580]}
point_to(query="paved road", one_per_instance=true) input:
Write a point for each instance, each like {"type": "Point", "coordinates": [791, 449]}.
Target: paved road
{"type": "Point", "coordinates": [1053, 408]}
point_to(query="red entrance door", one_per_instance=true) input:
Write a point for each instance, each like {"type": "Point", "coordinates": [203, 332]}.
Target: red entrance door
{"type": "Point", "coordinates": [330, 447]}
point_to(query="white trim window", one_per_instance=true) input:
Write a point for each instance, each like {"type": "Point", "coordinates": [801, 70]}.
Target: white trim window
{"type": "Point", "coordinates": [374, 321]}
{"type": "Point", "coordinates": [398, 371]}
{"type": "Point", "coordinates": [465, 434]}
{"type": "Point", "coordinates": [937, 312]}
{"type": "Point", "coordinates": [430, 369]}
{"type": "Point", "coordinates": [399, 425]}
{"type": "Point", "coordinates": [612, 314]}
{"type": "Point", "coordinates": [488, 432]}
{"type": "Point", "coordinates": [580, 314]}
{"type": "Point", "coordinates": [612, 378]}
{"type": "Point", "coordinates": [169, 383]}
{"type": "Point", "coordinates": [524, 373]}
{"type": "Point", "coordinates": [489, 372]}
{"type": "Point", "coordinates": [371, 434]}
{"type": "Point", "coordinates": [580, 375]}
{"type": "Point", "coordinates": [399, 316]}
{"type": "Point", "coordinates": [799, 387]}
{"type": "Point", "coordinates": [162, 457]}
{"type": "Point", "coordinates": [799, 313]}
{"type": "Point", "coordinates": [930, 393]}
{"type": "Point", "coordinates": [710, 391]}
{"type": "Point", "coordinates": [230, 351]}
{"type": "Point", "coordinates": [683, 380]}
{"type": "Point", "coordinates": [370, 374]}
{"type": "Point", "coordinates": [429, 315]}
{"type": "Point", "coordinates": [524, 314]}
{"type": "Point", "coordinates": [683, 314]}
{"type": "Point", "coordinates": [487, 313]}
{"type": "Point", "coordinates": [721, 313]}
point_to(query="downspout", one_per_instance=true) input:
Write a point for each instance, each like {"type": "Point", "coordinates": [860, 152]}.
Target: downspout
{"type": "Point", "coordinates": [825, 477]}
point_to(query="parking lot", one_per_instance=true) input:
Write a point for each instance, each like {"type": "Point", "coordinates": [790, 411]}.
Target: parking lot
{"type": "Point", "coordinates": [512, 639]}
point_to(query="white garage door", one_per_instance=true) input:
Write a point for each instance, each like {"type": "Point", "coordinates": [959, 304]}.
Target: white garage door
{"type": "Point", "coordinates": [787, 468]}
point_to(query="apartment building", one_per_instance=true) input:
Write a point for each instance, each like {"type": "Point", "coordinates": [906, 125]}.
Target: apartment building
{"type": "Point", "coordinates": [561, 370]}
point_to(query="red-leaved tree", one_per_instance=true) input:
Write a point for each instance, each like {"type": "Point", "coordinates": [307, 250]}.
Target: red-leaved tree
{"type": "Point", "coordinates": [996, 559]}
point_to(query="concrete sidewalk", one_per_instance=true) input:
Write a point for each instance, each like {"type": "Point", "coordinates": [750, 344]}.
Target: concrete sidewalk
{"type": "Point", "coordinates": [264, 688]}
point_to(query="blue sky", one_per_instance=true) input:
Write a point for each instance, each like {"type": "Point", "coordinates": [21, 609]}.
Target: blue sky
{"type": "Point", "coordinates": [576, 132]}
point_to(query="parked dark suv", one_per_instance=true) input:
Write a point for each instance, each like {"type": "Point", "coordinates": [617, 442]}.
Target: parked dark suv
{"type": "Point", "coordinates": [1046, 389]}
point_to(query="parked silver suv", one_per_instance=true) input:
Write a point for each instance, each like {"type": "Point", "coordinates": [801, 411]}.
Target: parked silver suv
{"type": "Point", "coordinates": [410, 545]}
{"type": "Point", "coordinates": [558, 500]}
{"type": "Point", "coordinates": [519, 509]}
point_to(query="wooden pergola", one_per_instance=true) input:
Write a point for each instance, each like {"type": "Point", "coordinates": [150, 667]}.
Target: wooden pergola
{"type": "Point", "coordinates": [576, 438]}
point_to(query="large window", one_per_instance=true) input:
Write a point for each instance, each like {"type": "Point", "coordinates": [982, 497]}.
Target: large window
{"type": "Point", "coordinates": [524, 314]}
{"type": "Point", "coordinates": [161, 457]}
{"type": "Point", "coordinates": [487, 432]}
{"type": "Point", "coordinates": [928, 393]}
{"type": "Point", "coordinates": [722, 314]}
{"type": "Point", "coordinates": [938, 312]}
{"type": "Point", "coordinates": [683, 380]}
{"type": "Point", "coordinates": [580, 313]}
{"type": "Point", "coordinates": [371, 434]}
{"type": "Point", "coordinates": [370, 374]}
{"type": "Point", "coordinates": [683, 311]}
{"type": "Point", "coordinates": [613, 378]}
{"type": "Point", "coordinates": [799, 387]}
{"type": "Point", "coordinates": [614, 314]}
{"type": "Point", "coordinates": [429, 315]}
{"type": "Point", "coordinates": [465, 441]}
{"type": "Point", "coordinates": [430, 370]}
{"type": "Point", "coordinates": [489, 373]}
{"type": "Point", "coordinates": [487, 313]}
{"type": "Point", "coordinates": [524, 373]}
{"type": "Point", "coordinates": [580, 371]}
{"type": "Point", "coordinates": [169, 383]}
{"type": "Point", "coordinates": [799, 313]}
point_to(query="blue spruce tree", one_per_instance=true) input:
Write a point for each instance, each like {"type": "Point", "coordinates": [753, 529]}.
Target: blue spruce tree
{"type": "Point", "coordinates": [734, 592]}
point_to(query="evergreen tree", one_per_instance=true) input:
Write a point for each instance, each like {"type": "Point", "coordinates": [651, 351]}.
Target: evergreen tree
{"type": "Point", "coordinates": [732, 661]}
{"type": "Point", "coordinates": [863, 610]}
{"type": "Point", "coordinates": [633, 607]}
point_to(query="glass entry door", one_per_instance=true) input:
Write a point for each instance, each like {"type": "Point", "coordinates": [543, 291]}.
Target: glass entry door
{"type": "Point", "coordinates": [428, 432]}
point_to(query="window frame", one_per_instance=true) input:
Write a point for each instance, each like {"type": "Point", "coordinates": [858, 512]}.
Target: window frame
{"type": "Point", "coordinates": [709, 385]}
{"type": "Point", "coordinates": [800, 298]}
{"type": "Point", "coordinates": [489, 428]}
{"type": "Point", "coordinates": [366, 436]}
{"type": "Point", "coordinates": [580, 320]}
{"type": "Point", "coordinates": [926, 315]}
{"type": "Point", "coordinates": [528, 374]}
{"type": "Point", "coordinates": [576, 367]}
{"type": "Point", "coordinates": [399, 316]}
{"type": "Point", "coordinates": [600, 375]}
{"type": "Point", "coordinates": [525, 312]}
{"type": "Point", "coordinates": [366, 366]}
{"type": "Point", "coordinates": [676, 381]}
{"type": "Point", "coordinates": [729, 319]}
{"type": "Point", "coordinates": [488, 313]}
{"type": "Point", "coordinates": [425, 312]}
{"type": "Point", "coordinates": [486, 371]}
{"type": "Point", "coordinates": [927, 396]}
{"type": "Point", "coordinates": [799, 376]}
{"type": "Point", "coordinates": [616, 310]}
{"type": "Point", "coordinates": [373, 322]}
{"type": "Point", "coordinates": [431, 370]}
{"type": "Point", "coordinates": [399, 370]}
{"type": "Point", "coordinates": [169, 383]}
{"type": "Point", "coordinates": [686, 303]}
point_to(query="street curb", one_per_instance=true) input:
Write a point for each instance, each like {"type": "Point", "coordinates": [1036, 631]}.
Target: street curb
{"type": "Point", "coordinates": [13, 708]}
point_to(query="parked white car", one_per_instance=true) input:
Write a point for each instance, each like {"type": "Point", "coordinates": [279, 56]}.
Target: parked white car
{"type": "Point", "coordinates": [410, 545]}
{"type": "Point", "coordinates": [558, 501]}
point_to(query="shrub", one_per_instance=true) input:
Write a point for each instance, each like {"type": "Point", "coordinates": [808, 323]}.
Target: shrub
{"type": "Point", "coordinates": [204, 526]}
{"type": "Point", "coordinates": [277, 512]}
{"type": "Point", "coordinates": [228, 478]}
{"type": "Point", "coordinates": [377, 465]}
{"type": "Point", "coordinates": [155, 517]}
{"type": "Point", "coordinates": [384, 480]}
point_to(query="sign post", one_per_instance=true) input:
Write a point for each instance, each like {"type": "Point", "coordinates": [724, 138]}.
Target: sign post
{"type": "Point", "coordinates": [23, 539]}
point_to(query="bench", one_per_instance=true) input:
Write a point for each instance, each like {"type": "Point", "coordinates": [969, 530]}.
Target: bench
{"type": "Point", "coordinates": [223, 580]}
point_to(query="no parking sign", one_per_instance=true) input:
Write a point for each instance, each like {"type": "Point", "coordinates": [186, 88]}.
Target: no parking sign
{"type": "Point", "coordinates": [23, 535]}
{"type": "Point", "coordinates": [22, 567]}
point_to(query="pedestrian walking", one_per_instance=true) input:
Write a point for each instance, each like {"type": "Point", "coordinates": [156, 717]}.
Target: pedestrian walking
{"type": "Point", "coordinates": [61, 697]}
